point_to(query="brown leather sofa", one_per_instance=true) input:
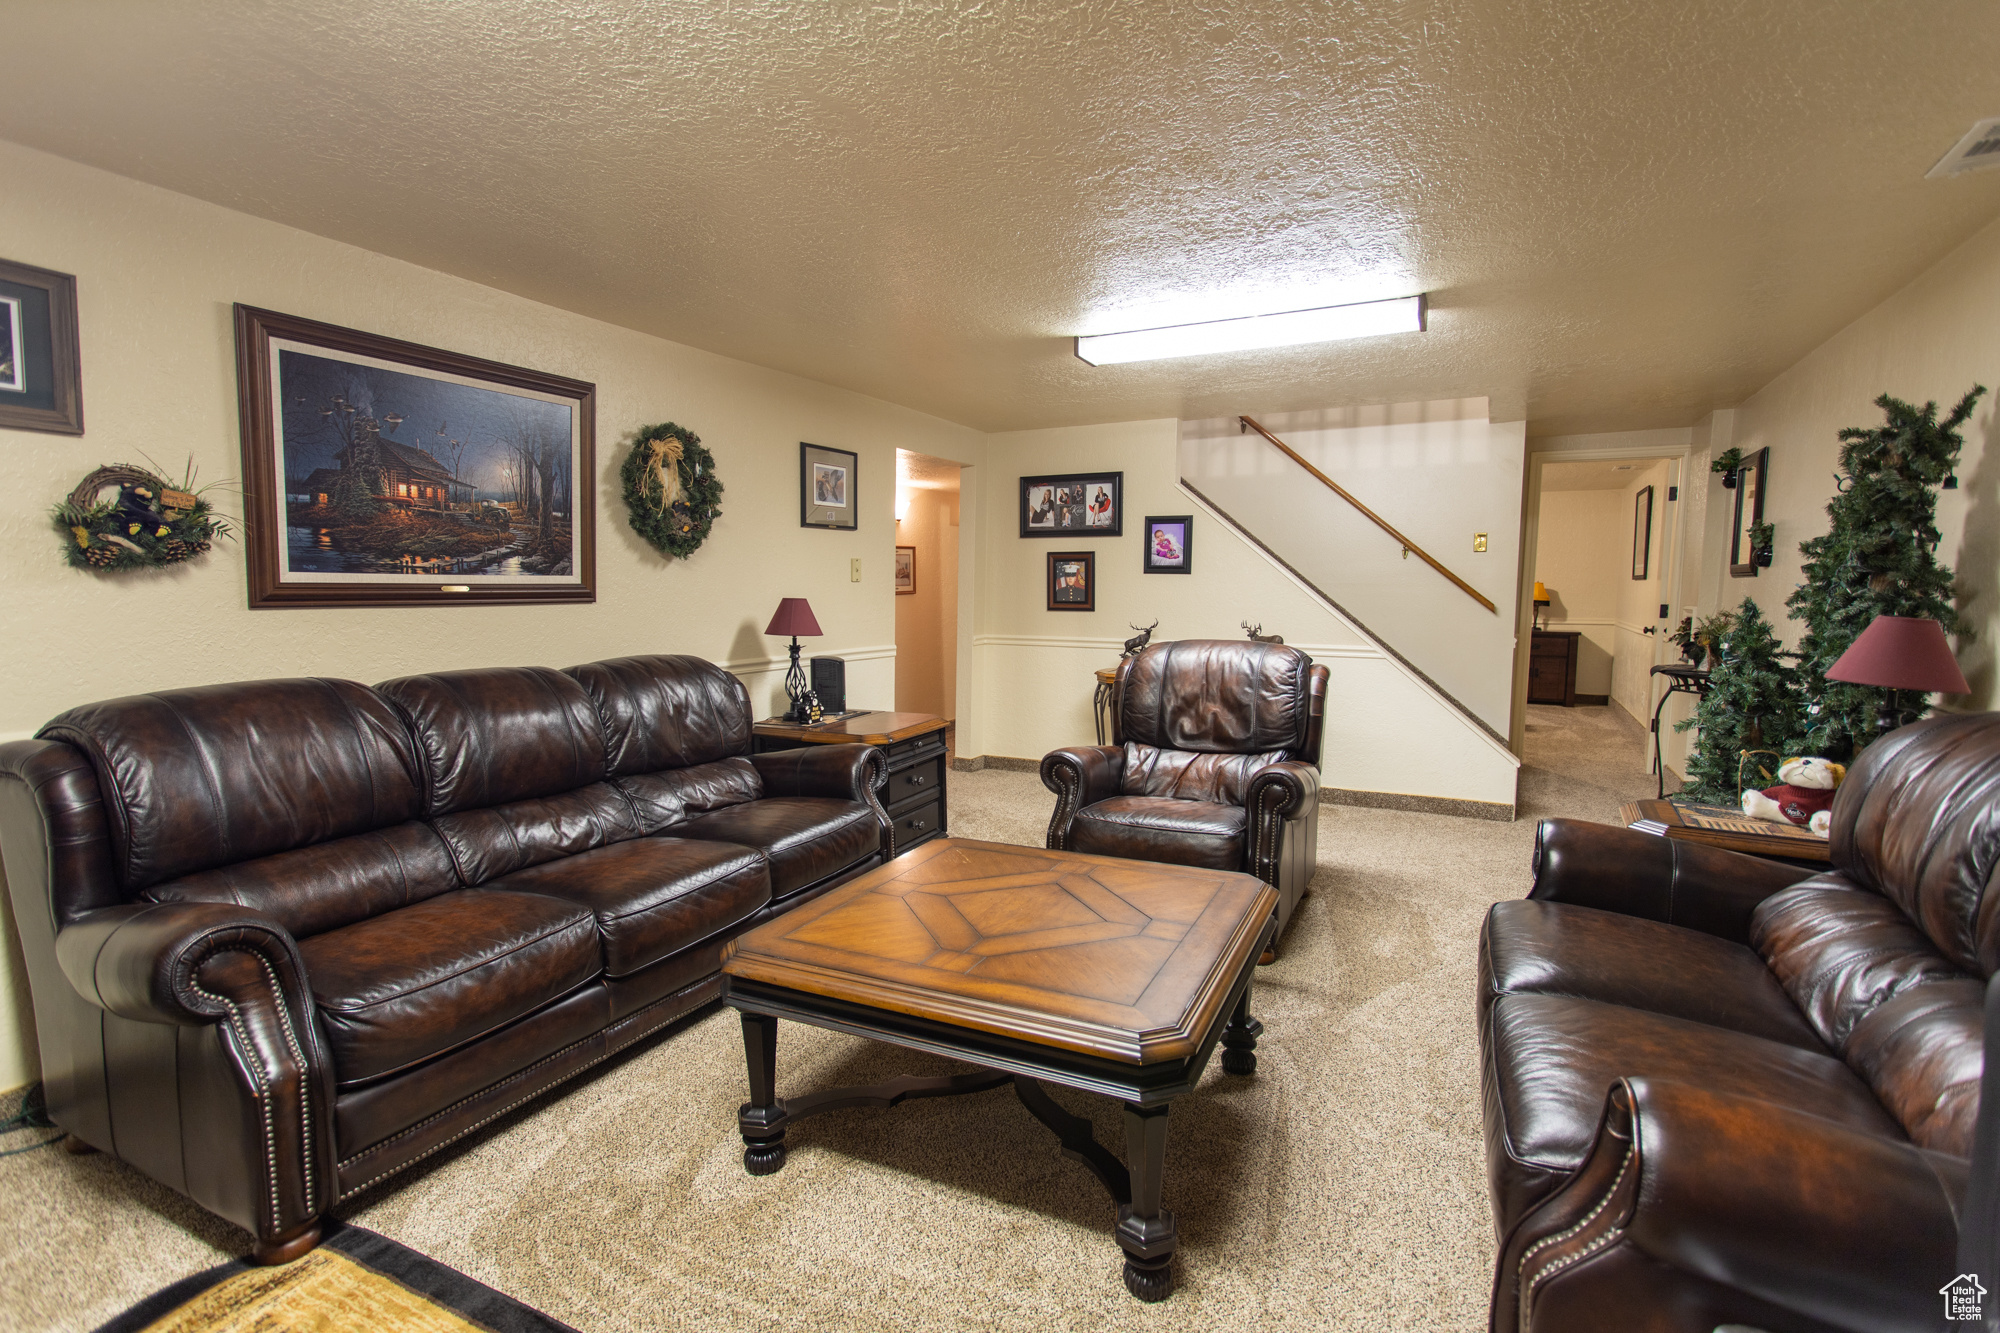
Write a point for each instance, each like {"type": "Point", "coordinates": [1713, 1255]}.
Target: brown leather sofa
{"type": "Point", "coordinates": [1214, 762]}
{"type": "Point", "coordinates": [1720, 1090]}
{"type": "Point", "coordinates": [288, 937]}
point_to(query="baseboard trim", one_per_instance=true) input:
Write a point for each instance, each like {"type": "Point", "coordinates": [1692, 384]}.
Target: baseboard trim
{"type": "Point", "coordinates": [1000, 762]}
{"type": "Point", "coordinates": [1425, 805]}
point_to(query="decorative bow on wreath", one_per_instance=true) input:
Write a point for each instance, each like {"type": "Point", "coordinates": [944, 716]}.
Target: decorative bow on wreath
{"type": "Point", "coordinates": [672, 494]}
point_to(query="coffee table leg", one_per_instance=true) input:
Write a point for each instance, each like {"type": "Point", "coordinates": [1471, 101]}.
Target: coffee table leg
{"type": "Point", "coordinates": [1239, 1039]}
{"type": "Point", "coordinates": [1146, 1230]}
{"type": "Point", "coordinates": [762, 1118]}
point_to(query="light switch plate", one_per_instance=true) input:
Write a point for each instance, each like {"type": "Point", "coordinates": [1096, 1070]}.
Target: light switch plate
{"type": "Point", "coordinates": [854, 571]}
{"type": "Point", "coordinates": [1479, 543]}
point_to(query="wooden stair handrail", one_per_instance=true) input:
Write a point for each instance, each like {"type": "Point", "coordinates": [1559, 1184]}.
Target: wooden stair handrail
{"type": "Point", "coordinates": [1371, 515]}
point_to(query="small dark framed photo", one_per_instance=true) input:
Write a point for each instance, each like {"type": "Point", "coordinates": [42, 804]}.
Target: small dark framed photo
{"type": "Point", "coordinates": [1072, 580]}
{"type": "Point", "coordinates": [41, 378]}
{"type": "Point", "coordinates": [1642, 532]}
{"type": "Point", "coordinates": [1082, 504]}
{"type": "Point", "coordinates": [906, 570]}
{"type": "Point", "coordinates": [1169, 544]}
{"type": "Point", "coordinates": [828, 488]}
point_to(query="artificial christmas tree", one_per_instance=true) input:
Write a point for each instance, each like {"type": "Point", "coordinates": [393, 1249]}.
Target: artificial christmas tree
{"type": "Point", "coordinates": [1749, 719]}
{"type": "Point", "coordinates": [1878, 557]}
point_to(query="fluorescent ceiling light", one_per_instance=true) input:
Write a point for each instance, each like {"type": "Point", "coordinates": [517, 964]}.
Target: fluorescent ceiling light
{"type": "Point", "coordinates": [1326, 324]}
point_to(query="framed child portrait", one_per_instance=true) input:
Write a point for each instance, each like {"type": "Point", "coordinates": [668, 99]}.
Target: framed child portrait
{"type": "Point", "coordinates": [1168, 546]}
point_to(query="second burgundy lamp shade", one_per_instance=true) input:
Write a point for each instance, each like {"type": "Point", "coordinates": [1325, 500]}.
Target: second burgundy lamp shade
{"type": "Point", "coordinates": [794, 617]}
{"type": "Point", "coordinates": [1900, 653]}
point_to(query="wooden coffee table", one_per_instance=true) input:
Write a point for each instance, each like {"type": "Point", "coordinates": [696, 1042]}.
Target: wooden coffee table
{"type": "Point", "coordinates": [1111, 976]}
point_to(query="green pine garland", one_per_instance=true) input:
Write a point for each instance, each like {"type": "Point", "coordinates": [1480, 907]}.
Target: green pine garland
{"type": "Point", "coordinates": [1749, 718]}
{"type": "Point", "coordinates": [680, 528]}
{"type": "Point", "coordinates": [1878, 557]}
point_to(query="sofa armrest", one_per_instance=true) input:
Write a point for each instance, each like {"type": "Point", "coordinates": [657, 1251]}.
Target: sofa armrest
{"type": "Point", "coordinates": [844, 772]}
{"type": "Point", "coordinates": [1781, 1206]}
{"type": "Point", "coordinates": [1079, 776]}
{"type": "Point", "coordinates": [1277, 794]}
{"type": "Point", "coordinates": [1661, 879]}
{"type": "Point", "coordinates": [238, 971]}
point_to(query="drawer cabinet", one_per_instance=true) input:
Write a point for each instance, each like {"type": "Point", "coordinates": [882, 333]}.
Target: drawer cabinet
{"type": "Point", "coordinates": [914, 746]}
{"type": "Point", "coordinates": [1552, 667]}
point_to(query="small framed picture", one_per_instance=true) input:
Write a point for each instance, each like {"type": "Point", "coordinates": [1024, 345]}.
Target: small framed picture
{"type": "Point", "coordinates": [1084, 504]}
{"type": "Point", "coordinates": [906, 570]}
{"type": "Point", "coordinates": [1072, 580]}
{"type": "Point", "coordinates": [41, 385]}
{"type": "Point", "coordinates": [1749, 513]}
{"type": "Point", "coordinates": [827, 488]}
{"type": "Point", "coordinates": [1642, 532]}
{"type": "Point", "coordinates": [1168, 541]}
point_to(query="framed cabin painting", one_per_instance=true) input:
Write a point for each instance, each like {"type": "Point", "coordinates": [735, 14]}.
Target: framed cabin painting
{"type": "Point", "coordinates": [384, 473]}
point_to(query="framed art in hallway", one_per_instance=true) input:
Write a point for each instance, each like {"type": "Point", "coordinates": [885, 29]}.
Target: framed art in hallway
{"type": "Point", "coordinates": [906, 570]}
{"type": "Point", "coordinates": [1083, 504]}
{"type": "Point", "coordinates": [827, 482]}
{"type": "Point", "coordinates": [1168, 548]}
{"type": "Point", "coordinates": [383, 473]}
{"type": "Point", "coordinates": [41, 381]}
{"type": "Point", "coordinates": [1642, 532]}
{"type": "Point", "coordinates": [1072, 581]}
{"type": "Point", "coordinates": [1750, 479]}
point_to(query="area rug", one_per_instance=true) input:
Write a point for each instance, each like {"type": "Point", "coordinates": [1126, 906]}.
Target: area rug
{"type": "Point", "coordinates": [356, 1279]}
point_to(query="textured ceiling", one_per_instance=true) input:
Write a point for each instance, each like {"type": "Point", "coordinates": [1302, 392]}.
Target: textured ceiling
{"type": "Point", "coordinates": [1626, 212]}
{"type": "Point", "coordinates": [1594, 476]}
{"type": "Point", "coordinates": [924, 473]}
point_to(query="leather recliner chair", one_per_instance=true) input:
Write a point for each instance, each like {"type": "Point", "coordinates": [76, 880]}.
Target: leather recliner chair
{"type": "Point", "coordinates": [1214, 762]}
{"type": "Point", "coordinates": [1721, 1090]}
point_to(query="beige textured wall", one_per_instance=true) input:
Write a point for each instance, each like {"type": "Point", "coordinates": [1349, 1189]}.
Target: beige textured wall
{"type": "Point", "coordinates": [156, 275]}
{"type": "Point", "coordinates": [1932, 340]}
{"type": "Point", "coordinates": [927, 619]}
{"type": "Point", "coordinates": [1580, 536]}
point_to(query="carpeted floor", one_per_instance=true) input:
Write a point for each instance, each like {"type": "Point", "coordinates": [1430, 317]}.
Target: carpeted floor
{"type": "Point", "coordinates": [1342, 1188]}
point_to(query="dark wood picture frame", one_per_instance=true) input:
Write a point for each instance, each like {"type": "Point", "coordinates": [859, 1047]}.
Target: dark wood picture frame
{"type": "Point", "coordinates": [41, 349]}
{"type": "Point", "coordinates": [266, 489]}
{"type": "Point", "coordinates": [1068, 565]}
{"type": "Point", "coordinates": [1064, 505]}
{"type": "Point", "coordinates": [821, 468]}
{"type": "Point", "coordinates": [1642, 532]}
{"type": "Point", "coordinates": [1173, 526]}
{"type": "Point", "coordinates": [1750, 480]}
{"type": "Point", "coordinates": [911, 588]}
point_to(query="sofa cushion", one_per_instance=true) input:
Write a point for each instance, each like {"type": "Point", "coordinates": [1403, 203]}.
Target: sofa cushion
{"type": "Point", "coordinates": [198, 778]}
{"type": "Point", "coordinates": [1184, 775]}
{"type": "Point", "coordinates": [653, 896]}
{"type": "Point", "coordinates": [1551, 1060]}
{"type": "Point", "coordinates": [1547, 948]}
{"type": "Point", "coordinates": [410, 984]}
{"type": "Point", "coordinates": [499, 735]}
{"type": "Point", "coordinates": [1918, 820]}
{"type": "Point", "coordinates": [1841, 952]}
{"type": "Point", "coordinates": [1159, 828]}
{"type": "Point", "coordinates": [486, 844]}
{"type": "Point", "coordinates": [1217, 696]}
{"type": "Point", "coordinates": [330, 885]}
{"type": "Point", "coordinates": [666, 712]}
{"type": "Point", "coordinates": [667, 797]}
{"type": "Point", "coordinates": [805, 838]}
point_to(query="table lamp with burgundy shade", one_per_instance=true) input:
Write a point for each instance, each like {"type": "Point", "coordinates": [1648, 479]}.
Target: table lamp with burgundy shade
{"type": "Point", "coordinates": [1900, 653]}
{"type": "Point", "coordinates": [794, 617]}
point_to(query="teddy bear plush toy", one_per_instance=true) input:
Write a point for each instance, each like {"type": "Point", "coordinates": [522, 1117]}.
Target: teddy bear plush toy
{"type": "Point", "coordinates": [1804, 795]}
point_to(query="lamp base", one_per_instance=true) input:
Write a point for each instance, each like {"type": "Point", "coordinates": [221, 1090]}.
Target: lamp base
{"type": "Point", "coordinates": [795, 686]}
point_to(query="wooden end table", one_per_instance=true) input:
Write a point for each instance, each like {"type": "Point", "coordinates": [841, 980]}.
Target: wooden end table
{"type": "Point", "coordinates": [913, 744]}
{"type": "Point", "coordinates": [1732, 830]}
{"type": "Point", "coordinates": [1111, 976]}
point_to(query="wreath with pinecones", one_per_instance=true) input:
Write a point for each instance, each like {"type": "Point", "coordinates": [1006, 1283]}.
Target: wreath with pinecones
{"type": "Point", "coordinates": [151, 523]}
{"type": "Point", "coordinates": [672, 494]}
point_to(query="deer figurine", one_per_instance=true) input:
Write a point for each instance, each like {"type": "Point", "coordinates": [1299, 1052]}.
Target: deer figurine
{"type": "Point", "coordinates": [1138, 641]}
{"type": "Point", "coordinates": [1257, 635]}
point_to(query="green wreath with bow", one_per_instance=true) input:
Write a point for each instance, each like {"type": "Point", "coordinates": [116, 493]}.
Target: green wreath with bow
{"type": "Point", "coordinates": [672, 494]}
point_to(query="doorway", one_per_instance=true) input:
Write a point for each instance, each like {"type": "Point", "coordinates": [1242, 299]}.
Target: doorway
{"type": "Point", "coordinates": [1602, 561]}
{"type": "Point", "coordinates": [927, 521]}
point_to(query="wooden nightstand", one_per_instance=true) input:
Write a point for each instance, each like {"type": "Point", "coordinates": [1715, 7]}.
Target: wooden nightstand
{"type": "Point", "coordinates": [913, 743]}
{"type": "Point", "coordinates": [1552, 667]}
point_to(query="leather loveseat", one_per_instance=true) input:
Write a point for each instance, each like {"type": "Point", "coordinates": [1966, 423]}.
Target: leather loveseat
{"type": "Point", "coordinates": [1214, 762]}
{"type": "Point", "coordinates": [288, 937]}
{"type": "Point", "coordinates": [1720, 1090]}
